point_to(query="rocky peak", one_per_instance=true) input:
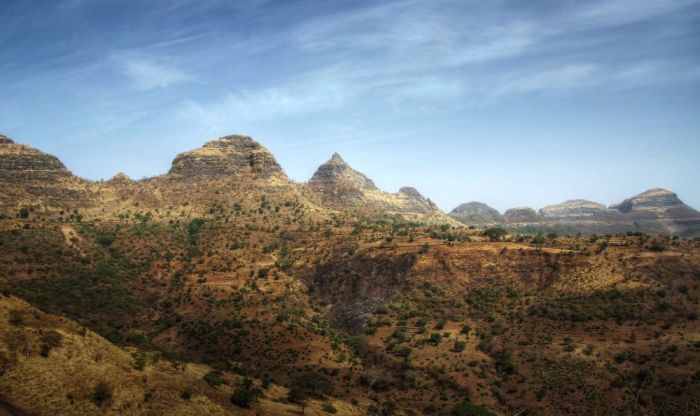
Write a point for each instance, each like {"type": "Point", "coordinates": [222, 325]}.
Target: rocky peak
{"type": "Point", "coordinates": [336, 176]}
{"type": "Point", "coordinates": [652, 200]}
{"type": "Point", "coordinates": [337, 159]}
{"type": "Point", "coordinates": [21, 162]}
{"type": "Point", "coordinates": [235, 155]}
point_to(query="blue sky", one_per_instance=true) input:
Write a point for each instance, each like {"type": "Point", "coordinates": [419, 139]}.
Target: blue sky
{"type": "Point", "coordinates": [507, 102]}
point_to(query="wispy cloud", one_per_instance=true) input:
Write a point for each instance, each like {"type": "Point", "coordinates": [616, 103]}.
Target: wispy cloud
{"type": "Point", "coordinates": [264, 104]}
{"type": "Point", "coordinates": [147, 73]}
{"type": "Point", "coordinates": [565, 78]}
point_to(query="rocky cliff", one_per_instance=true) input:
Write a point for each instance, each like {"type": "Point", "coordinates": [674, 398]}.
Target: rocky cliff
{"type": "Point", "coordinates": [235, 155]}
{"type": "Point", "coordinates": [339, 186]}
{"type": "Point", "coordinates": [31, 177]}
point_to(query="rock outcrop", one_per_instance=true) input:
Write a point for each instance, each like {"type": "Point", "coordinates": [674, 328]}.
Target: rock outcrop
{"type": "Point", "coordinates": [574, 209]}
{"type": "Point", "coordinates": [235, 155]}
{"type": "Point", "coordinates": [342, 187]}
{"type": "Point", "coordinates": [477, 213]}
{"type": "Point", "coordinates": [654, 200]}
{"type": "Point", "coordinates": [21, 163]}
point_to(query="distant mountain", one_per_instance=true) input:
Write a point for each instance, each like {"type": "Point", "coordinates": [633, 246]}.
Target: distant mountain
{"type": "Point", "coordinates": [340, 186]}
{"type": "Point", "coordinates": [477, 213]}
{"type": "Point", "coordinates": [231, 168]}
{"type": "Point", "coordinates": [656, 211]}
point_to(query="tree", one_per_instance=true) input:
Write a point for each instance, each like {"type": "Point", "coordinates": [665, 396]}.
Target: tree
{"type": "Point", "coordinates": [309, 385]}
{"type": "Point", "coordinates": [495, 233]}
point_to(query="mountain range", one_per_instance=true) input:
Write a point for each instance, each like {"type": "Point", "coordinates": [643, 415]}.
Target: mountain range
{"type": "Point", "coordinates": [41, 183]}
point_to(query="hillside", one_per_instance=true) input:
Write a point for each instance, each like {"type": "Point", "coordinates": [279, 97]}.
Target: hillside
{"type": "Point", "coordinates": [333, 294]}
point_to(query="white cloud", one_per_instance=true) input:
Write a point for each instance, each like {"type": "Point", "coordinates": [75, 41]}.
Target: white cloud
{"type": "Point", "coordinates": [269, 103]}
{"type": "Point", "coordinates": [146, 73]}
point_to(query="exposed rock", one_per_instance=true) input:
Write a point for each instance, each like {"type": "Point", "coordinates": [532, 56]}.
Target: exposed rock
{"type": "Point", "coordinates": [338, 179]}
{"type": "Point", "coordinates": [574, 209]}
{"type": "Point", "coordinates": [521, 214]}
{"type": "Point", "coordinates": [5, 140]}
{"type": "Point", "coordinates": [476, 213]}
{"type": "Point", "coordinates": [230, 155]}
{"type": "Point", "coordinates": [656, 199]}
{"type": "Point", "coordinates": [20, 162]}
{"type": "Point", "coordinates": [342, 187]}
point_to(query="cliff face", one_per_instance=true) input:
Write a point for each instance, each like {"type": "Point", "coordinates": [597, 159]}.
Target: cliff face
{"type": "Point", "coordinates": [228, 156]}
{"type": "Point", "coordinates": [654, 200]}
{"type": "Point", "coordinates": [31, 177]}
{"type": "Point", "coordinates": [20, 163]}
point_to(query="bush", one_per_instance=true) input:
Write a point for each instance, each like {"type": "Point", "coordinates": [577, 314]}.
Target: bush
{"type": "Point", "coordinates": [495, 233]}
{"type": "Point", "coordinates": [186, 394]}
{"type": "Point", "coordinates": [51, 339]}
{"type": "Point", "coordinates": [213, 378]}
{"type": "Point", "coordinates": [459, 346]}
{"type": "Point", "coordinates": [657, 246]}
{"type": "Point", "coordinates": [245, 394]}
{"type": "Point", "coordinates": [102, 394]}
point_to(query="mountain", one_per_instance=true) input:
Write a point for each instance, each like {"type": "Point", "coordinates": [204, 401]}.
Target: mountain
{"type": "Point", "coordinates": [223, 287]}
{"type": "Point", "coordinates": [340, 186]}
{"type": "Point", "coordinates": [30, 176]}
{"type": "Point", "coordinates": [222, 171]}
{"type": "Point", "coordinates": [235, 155]}
{"type": "Point", "coordinates": [476, 213]}
{"type": "Point", "coordinates": [656, 211]}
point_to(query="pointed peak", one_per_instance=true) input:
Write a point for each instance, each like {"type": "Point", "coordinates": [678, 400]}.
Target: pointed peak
{"type": "Point", "coordinates": [5, 140]}
{"type": "Point", "coordinates": [336, 158]}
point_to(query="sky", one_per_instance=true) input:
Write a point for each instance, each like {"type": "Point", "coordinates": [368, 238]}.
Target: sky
{"type": "Point", "coordinates": [512, 103]}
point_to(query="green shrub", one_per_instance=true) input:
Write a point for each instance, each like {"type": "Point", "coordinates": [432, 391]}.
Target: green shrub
{"type": "Point", "coordinates": [459, 346]}
{"type": "Point", "coordinates": [213, 378]}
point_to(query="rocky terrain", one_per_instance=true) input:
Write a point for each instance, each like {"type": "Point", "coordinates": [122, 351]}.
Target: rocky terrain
{"type": "Point", "coordinates": [340, 186]}
{"type": "Point", "coordinates": [656, 211]}
{"type": "Point", "coordinates": [222, 287]}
